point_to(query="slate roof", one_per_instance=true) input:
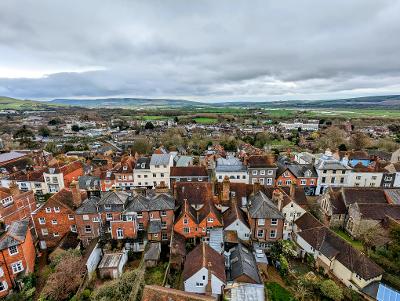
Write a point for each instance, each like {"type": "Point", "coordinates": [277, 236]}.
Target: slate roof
{"type": "Point", "coordinates": [331, 245]}
{"type": "Point", "coordinates": [153, 252]}
{"type": "Point", "coordinates": [15, 234]}
{"type": "Point", "coordinates": [88, 206]}
{"type": "Point", "coordinates": [379, 211]}
{"type": "Point", "coordinates": [154, 226]}
{"type": "Point", "coordinates": [5, 157]}
{"type": "Point", "coordinates": [201, 256]}
{"type": "Point", "coordinates": [157, 202]}
{"type": "Point", "coordinates": [230, 164]}
{"type": "Point", "coordinates": [143, 160]}
{"type": "Point", "coordinates": [89, 182]}
{"type": "Point", "coordinates": [242, 262]}
{"type": "Point", "coordinates": [260, 206]}
{"type": "Point", "coordinates": [307, 221]}
{"type": "Point", "coordinates": [160, 159]}
{"type": "Point", "coordinates": [114, 198]}
{"type": "Point", "coordinates": [232, 214]}
{"type": "Point", "coordinates": [298, 170]}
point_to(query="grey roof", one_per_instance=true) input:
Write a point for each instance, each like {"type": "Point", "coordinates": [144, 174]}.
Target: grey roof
{"type": "Point", "coordinates": [160, 159]}
{"type": "Point", "coordinates": [15, 234]}
{"type": "Point", "coordinates": [230, 164]}
{"type": "Point", "coordinates": [154, 251]}
{"type": "Point", "coordinates": [154, 226]}
{"type": "Point", "coordinates": [183, 161]}
{"type": "Point", "coordinates": [381, 292]}
{"type": "Point", "coordinates": [298, 170]}
{"type": "Point", "coordinates": [88, 206]}
{"type": "Point", "coordinates": [217, 239]}
{"type": "Point", "coordinates": [242, 262]}
{"type": "Point", "coordinates": [155, 202]}
{"type": "Point", "coordinates": [89, 182]}
{"type": "Point", "coordinates": [110, 260]}
{"type": "Point", "coordinates": [10, 156]}
{"type": "Point", "coordinates": [114, 198]}
{"type": "Point", "coordinates": [143, 160]}
{"type": "Point", "coordinates": [327, 161]}
{"type": "Point", "coordinates": [247, 292]}
{"type": "Point", "coordinates": [260, 206]}
{"type": "Point", "coordinates": [394, 195]}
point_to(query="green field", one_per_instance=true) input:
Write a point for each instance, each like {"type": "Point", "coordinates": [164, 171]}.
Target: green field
{"type": "Point", "coordinates": [205, 120]}
{"type": "Point", "coordinates": [7, 103]}
{"type": "Point", "coordinates": [155, 117]}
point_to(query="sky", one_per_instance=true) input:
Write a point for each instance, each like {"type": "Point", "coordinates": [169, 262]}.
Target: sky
{"type": "Point", "coordinates": [199, 50]}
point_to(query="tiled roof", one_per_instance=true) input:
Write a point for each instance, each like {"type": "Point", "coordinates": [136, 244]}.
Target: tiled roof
{"type": "Point", "coordinates": [160, 293]}
{"type": "Point", "coordinates": [261, 161]}
{"type": "Point", "coordinates": [197, 193]}
{"type": "Point", "coordinates": [64, 197]}
{"type": "Point", "coordinates": [242, 262]}
{"type": "Point", "coordinates": [232, 214]}
{"type": "Point", "coordinates": [114, 198]}
{"type": "Point", "coordinates": [379, 211]}
{"type": "Point", "coordinates": [143, 163]}
{"type": "Point", "coordinates": [200, 257]}
{"type": "Point", "coordinates": [307, 221]}
{"type": "Point", "coordinates": [88, 206]}
{"type": "Point", "coordinates": [189, 171]}
{"type": "Point", "coordinates": [160, 159]}
{"type": "Point", "coordinates": [15, 234]}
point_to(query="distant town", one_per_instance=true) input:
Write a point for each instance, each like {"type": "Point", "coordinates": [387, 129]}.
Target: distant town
{"type": "Point", "coordinates": [186, 204]}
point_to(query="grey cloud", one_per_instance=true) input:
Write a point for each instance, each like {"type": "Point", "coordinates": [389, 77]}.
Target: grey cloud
{"type": "Point", "coordinates": [201, 49]}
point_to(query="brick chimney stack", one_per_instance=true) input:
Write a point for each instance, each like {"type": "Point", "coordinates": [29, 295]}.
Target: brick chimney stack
{"type": "Point", "coordinates": [76, 193]}
{"type": "Point", "coordinates": [209, 283]}
{"type": "Point", "coordinates": [226, 189]}
{"type": "Point", "coordinates": [277, 197]}
{"type": "Point", "coordinates": [14, 189]}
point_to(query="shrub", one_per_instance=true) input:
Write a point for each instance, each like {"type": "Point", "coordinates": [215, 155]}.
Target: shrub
{"type": "Point", "coordinates": [278, 293]}
{"type": "Point", "coordinates": [331, 290]}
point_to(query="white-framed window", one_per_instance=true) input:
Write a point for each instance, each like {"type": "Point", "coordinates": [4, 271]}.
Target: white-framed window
{"type": "Point", "coordinates": [261, 181]}
{"type": "Point", "coordinates": [107, 207]}
{"type": "Point", "coordinates": [185, 221]}
{"type": "Point", "coordinates": [262, 172]}
{"type": "Point", "coordinates": [269, 181]}
{"type": "Point", "coordinates": [279, 182]}
{"type": "Point", "coordinates": [261, 222]}
{"type": "Point", "coordinates": [54, 222]}
{"type": "Point", "coordinates": [260, 233]}
{"type": "Point", "coordinates": [56, 234]}
{"type": "Point", "coordinates": [163, 225]}
{"type": "Point", "coordinates": [73, 228]}
{"type": "Point", "coordinates": [109, 216]}
{"type": "Point", "coordinates": [85, 217]}
{"type": "Point", "coordinates": [95, 219]}
{"type": "Point", "coordinates": [210, 220]}
{"type": "Point", "coordinates": [56, 209]}
{"type": "Point", "coordinates": [164, 236]}
{"type": "Point", "coordinates": [199, 284]}
{"type": "Point", "coordinates": [3, 286]}
{"type": "Point", "coordinates": [272, 234]}
{"type": "Point", "coordinates": [17, 267]}
{"type": "Point", "coordinates": [163, 213]}
{"type": "Point", "coordinates": [155, 235]}
{"type": "Point", "coordinates": [312, 182]}
{"type": "Point", "coordinates": [274, 222]}
{"type": "Point", "coordinates": [88, 229]}
{"type": "Point", "coordinates": [140, 214]}
{"type": "Point", "coordinates": [270, 172]}
{"type": "Point", "coordinates": [48, 210]}
{"type": "Point", "coordinates": [151, 215]}
{"type": "Point", "coordinates": [70, 217]}
{"type": "Point", "coordinates": [7, 201]}
{"type": "Point", "coordinates": [13, 250]}
{"type": "Point", "coordinates": [42, 220]}
{"type": "Point", "coordinates": [45, 232]}
{"type": "Point", "coordinates": [120, 233]}
{"type": "Point", "coordinates": [303, 182]}
{"type": "Point", "coordinates": [254, 172]}
{"type": "Point", "coordinates": [186, 230]}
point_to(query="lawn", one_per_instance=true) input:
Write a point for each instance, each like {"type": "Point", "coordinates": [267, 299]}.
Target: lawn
{"type": "Point", "coordinates": [155, 117]}
{"type": "Point", "coordinates": [276, 292]}
{"type": "Point", "coordinates": [355, 243]}
{"type": "Point", "coordinates": [155, 275]}
{"type": "Point", "coordinates": [205, 120]}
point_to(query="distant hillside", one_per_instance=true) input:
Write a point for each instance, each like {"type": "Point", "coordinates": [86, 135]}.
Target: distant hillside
{"type": "Point", "coordinates": [125, 102]}
{"type": "Point", "coordinates": [8, 103]}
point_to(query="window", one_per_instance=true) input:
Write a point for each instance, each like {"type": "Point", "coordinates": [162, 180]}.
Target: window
{"type": "Point", "coordinates": [185, 221]}
{"type": "Point", "coordinates": [70, 216]}
{"type": "Point", "coordinates": [109, 216]}
{"type": "Point", "coordinates": [107, 207]}
{"type": "Point", "coordinates": [13, 250]}
{"type": "Point", "coordinates": [210, 220]}
{"type": "Point", "coordinates": [3, 286]}
{"type": "Point", "coordinates": [261, 181]}
{"type": "Point", "coordinates": [274, 222]}
{"type": "Point", "coordinates": [95, 219]}
{"type": "Point", "coordinates": [163, 213]}
{"type": "Point", "coordinates": [280, 183]}
{"type": "Point", "coordinates": [323, 180]}
{"type": "Point", "coordinates": [164, 236]}
{"type": "Point", "coordinates": [154, 175]}
{"type": "Point", "coordinates": [56, 234]}
{"type": "Point", "coordinates": [141, 227]}
{"type": "Point", "coordinates": [341, 180]}
{"type": "Point", "coordinates": [7, 201]}
{"type": "Point", "coordinates": [42, 220]}
{"type": "Point", "coordinates": [374, 177]}
{"type": "Point", "coordinates": [333, 171]}
{"type": "Point", "coordinates": [199, 284]}
{"type": "Point", "coordinates": [56, 209]}
{"type": "Point", "coordinates": [254, 172]}
{"type": "Point", "coordinates": [311, 182]}
{"type": "Point", "coordinates": [261, 222]}
{"type": "Point", "coordinates": [162, 175]}
{"type": "Point", "coordinates": [260, 233]}
{"type": "Point", "coordinates": [303, 182]}
{"type": "Point", "coordinates": [17, 267]}
{"type": "Point", "coordinates": [333, 179]}
{"type": "Point", "coordinates": [155, 234]}
{"type": "Point", "coordinates": [272, 234]}
{"type": "Point", "coordinates": [270, 172]}
{"type": "Point", "coordinates": [163, 225]}
{"type": "Point", "coordinates": [262, 172]}
{"type": "Point", "coordinates": [88, 229]}
{"type": "Point", "coordinates": [186, 230]}
{"type": "Point", "coordinates": [343, 172]}
{"type": "Point", "coordinates": [45, 232]}
{"type": "Point", "coordinates": [358, 178]}
{"type": "Point", "coordinates": [73, 228]}
{"type": "Point", "coordinates": [48, 210]}
{"type": "Point", "coordinates": [269, 181]}
{"type": "Point", "coordinates": [324, 171]}
{"type": "Point", "coordinates": [120, 233]}
{"type": "Point", "coordinates": [288, 182]}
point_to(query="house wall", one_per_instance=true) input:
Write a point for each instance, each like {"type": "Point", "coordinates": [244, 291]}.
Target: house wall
{"type": "Point", "coordinates": [5, 279]}
{"type": "Point", "coordinates": [365, 179]}
{"type": "Point", "coordinates": [22, 207]}
{"type": "Point", "coordinates": [234, 177]}
{"type": "Point", "coordinates": [54, 182]}
{"type": "Point", "coordinates": [291, 212]}
{"type": "Point", "coordinates": [323, 184]}
{"type": "Point", "coordinates": [242, 230]}
{"type": "Point", "coordinates": [93, 260]}
{"type": "Point", "coordinates": [190, 283]}
{"type": "Point", "coordinates": [86, 237]}
{"type": "Point", "coordinates": [129, 229]}
{"type": "Point", "coordinates": [254, 225]}
{"type": "Point", "coordinates": [396, 182]}
{"type": "Point", "coordinates": [267, 180]}
{"type": "Point", "coordinates": [29, 252]}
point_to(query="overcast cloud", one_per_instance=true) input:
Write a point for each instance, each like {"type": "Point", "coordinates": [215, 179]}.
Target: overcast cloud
{"type": "Point", "coordinates": [200, 50]}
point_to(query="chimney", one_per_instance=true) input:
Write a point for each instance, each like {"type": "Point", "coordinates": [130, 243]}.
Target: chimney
{"type": "Point", "coordinates": [162, 188]}
{"type": "Point", "coordinates": [277, 197]}
{"type": "Point", "coordinates": [270, 159]}
{"type": "Point", "coordinates": [175, 191]}
{"type": "Point", "coordinates": [225, 189]}
{"type": "Point", "coordinates": [76, 193]}
{"type": "Point", "coordinates": [292, 190]}
{"type": "Point", "coordinates": [209, 284]}
{"type": "Point", "coordinates": [14, 189]}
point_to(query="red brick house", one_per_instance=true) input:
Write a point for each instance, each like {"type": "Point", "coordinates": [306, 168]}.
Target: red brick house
{"type": "Point", "coordinates": [17, 254]}
{"type": "Point", "coordinates": [192, 224]}
{"type": "Point", "coordinates": [301, 175]}
{"type": "Point", "coordinates": [123, 173]}
{"type": "Point", "coordinates": [15, 204]}
{"type": "Point", "coordinates": [265, 219]}
{"type": "Point", "coordinates": [58, 177]}
{"type": "Point", "coordinates": [56, 217]}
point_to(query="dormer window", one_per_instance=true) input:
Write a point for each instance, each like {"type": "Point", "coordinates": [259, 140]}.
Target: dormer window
{"type": "Point", "coordinates": [143, 165]}
{"type": "Point", "coordinates": [7, 201]}
{"type": "Point", "coordinates": [107, 207]}
{"type": "Point", "coordinates": [125, 167]}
